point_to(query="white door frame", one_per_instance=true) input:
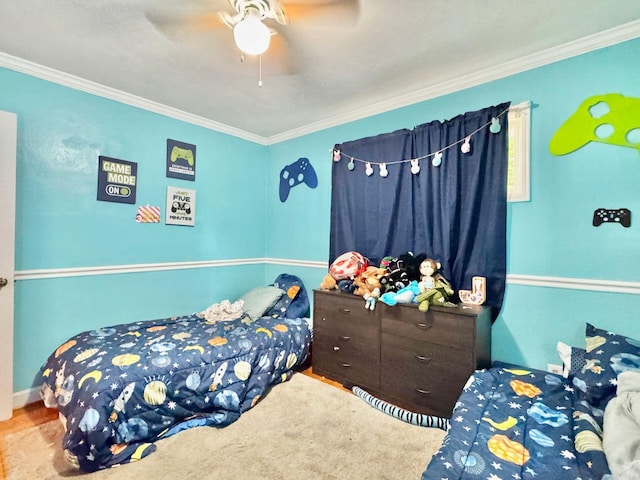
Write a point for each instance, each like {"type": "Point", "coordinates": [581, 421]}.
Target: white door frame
{"type": "Point", "coordinates": [8, 142]}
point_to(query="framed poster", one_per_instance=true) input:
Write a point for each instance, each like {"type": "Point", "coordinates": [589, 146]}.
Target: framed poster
{"type": "Point", "coordinates": [181, 206]}
{"type": "Point", "coordinates": [117, 180]}
{"type": "Point", "coordinates": [181, 160]}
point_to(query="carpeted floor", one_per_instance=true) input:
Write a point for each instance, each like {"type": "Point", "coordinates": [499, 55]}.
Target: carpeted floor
{"type": "Point", "coordinates": [303, 429]}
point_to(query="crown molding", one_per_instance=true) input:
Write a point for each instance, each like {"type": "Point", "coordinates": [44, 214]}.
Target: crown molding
{"type": "Point", "coordinates": [87, 86]}
{"type": "Point", "coordinates": [596, 41]}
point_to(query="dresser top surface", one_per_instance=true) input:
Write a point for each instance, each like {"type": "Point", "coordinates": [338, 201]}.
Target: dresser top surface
{"type": "Point", "coordinates": [460, 309]}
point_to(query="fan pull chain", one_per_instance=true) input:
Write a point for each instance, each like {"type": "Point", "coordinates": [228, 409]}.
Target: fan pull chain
{"type": "Point", "coordinates": [260, 79]}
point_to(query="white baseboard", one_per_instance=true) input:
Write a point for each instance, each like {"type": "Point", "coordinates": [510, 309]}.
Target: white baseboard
{"type": "Point", "coordinates": [25, 397]}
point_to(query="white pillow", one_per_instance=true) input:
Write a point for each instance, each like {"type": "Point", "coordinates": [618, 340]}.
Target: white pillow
{"type": "Point", "coordinates": [564, 351]}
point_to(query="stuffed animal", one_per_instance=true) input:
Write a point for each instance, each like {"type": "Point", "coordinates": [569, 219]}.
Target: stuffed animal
{"type": "Point", "coordinates": [404, 295]}
{"type": "Point", "coordinates": [411, 264]}
{"type": "Point", "coordinates": [400, 271]}
{"type": "Point", "coordinates": [346, 286]}
{"type": "Point", "coordinates": [371, 298]}
{"type": "Point", "coordinates": [328, 283]}
{"type": "Point", "coordinates": [395, 277]}
{"type": "Point", "coordinates": [368, 280]}
{"type": "Point", "coordinates": [439, 295]}
{"type": "Point", "coordinates": [348, 266]}
{"type": "Point", "coordinates": [429, 273]}
{"type": "Point", "coordinates": [368, 285]}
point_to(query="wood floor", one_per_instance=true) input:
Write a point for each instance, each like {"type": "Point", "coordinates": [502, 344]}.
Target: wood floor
{"type": "Point", "coordinates": [36, 414]}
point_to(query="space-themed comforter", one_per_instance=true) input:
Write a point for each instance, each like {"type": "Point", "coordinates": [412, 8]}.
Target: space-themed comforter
{"type": "Point", "coordinates": [121, 388]}
{"type": "Point", "coordinates": [515, 423]}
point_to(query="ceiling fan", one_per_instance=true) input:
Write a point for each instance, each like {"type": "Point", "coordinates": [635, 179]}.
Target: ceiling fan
{"type": "Point", "coordinates": [251, 35]}
{"type": "Point", "coordinates": [257, 25]}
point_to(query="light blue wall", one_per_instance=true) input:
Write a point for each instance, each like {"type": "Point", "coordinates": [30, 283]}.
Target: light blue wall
{"type": "Point", "coordinates": [47, 312]}
{"type": "Point", "coordinates": [59, 223]}
{"type": "Point", "coordinates": [551, 235]}
{"type": "Point", "coordinates": [239, 215]}
{"type": "Point", "coordinates": [61, 133]}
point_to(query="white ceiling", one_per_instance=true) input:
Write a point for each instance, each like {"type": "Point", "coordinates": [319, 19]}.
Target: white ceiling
{"type": "Point", "coordinates": [395, 51]}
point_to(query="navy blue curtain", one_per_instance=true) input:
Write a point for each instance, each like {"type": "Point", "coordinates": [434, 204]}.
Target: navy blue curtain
{"type": "Point", "coordinates": [455, 213]}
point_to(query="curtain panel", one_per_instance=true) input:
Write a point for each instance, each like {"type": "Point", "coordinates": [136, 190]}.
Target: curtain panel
{"type": "Point", "coordinates": [453, 210]}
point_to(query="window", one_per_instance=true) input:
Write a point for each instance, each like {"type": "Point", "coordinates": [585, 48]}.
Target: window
{"type": "Point", "coordinates": [518, 167]}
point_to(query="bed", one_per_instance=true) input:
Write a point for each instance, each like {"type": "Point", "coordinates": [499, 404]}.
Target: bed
{"type": "Point", "coordinates": [512, 422]}
{"type": "Point", "coordinates": [119, 389]}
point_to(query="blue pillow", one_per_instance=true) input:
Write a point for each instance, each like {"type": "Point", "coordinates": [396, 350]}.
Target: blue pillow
{"type": "Point", "coordinates": [295, 302]}
{"type": "Point", "coordinates": [607, 355]}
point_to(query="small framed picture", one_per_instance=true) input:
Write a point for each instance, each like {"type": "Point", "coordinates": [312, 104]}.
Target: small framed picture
{"type": "Point", "coordinates": [181, 160]}
{"type": "Point", "coordinates": [117, 180]}
{"type": "Point", "coordinates": [181, 206]}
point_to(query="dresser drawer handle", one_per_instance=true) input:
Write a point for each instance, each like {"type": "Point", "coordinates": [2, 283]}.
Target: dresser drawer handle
{"type": "Point", "coordinates": [423, 392]}
{"type": "Point", "coordinates": [344, 337]}
{"type": "Point", "coordinates": [345, 365]}
{"type": "Point", "coordinates": [345, 310]}
{"type": "Point", "coordinates": [423, 325]}
{"type": "Point", "coordinates": [423, 358]}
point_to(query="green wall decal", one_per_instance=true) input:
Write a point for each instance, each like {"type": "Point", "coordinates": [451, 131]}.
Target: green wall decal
{"type": "Point", "coordinates": [610, 118]}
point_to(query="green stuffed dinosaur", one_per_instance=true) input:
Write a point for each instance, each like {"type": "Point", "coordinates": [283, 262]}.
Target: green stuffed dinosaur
{"type": "Point", "coordinates": [439, 295]}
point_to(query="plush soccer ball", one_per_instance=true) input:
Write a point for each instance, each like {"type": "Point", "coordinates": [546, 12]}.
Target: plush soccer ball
{"type": "Point", "coordinates": [348, 265]}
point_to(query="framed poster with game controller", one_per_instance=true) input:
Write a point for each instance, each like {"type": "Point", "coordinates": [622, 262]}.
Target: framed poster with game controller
{"type": "Point", "coordinates": [181, 160]}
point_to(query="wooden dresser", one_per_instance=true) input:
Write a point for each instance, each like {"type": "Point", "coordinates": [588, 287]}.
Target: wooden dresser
{"type": "Point", "coordinates": [415, 360]}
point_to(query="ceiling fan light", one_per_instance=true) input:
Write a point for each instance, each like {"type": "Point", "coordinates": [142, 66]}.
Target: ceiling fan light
{"type": "Point", "coordinates": [251, 35]}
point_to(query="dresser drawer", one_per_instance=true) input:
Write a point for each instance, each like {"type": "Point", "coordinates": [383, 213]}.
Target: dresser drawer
{"type": "Point", "coordinates": [435, 326]}
{"type": "Point", "coordinates": [349, 360]}
{"type": "Point", "coordinates": [423, 375]}
{"type": "Point", "coordinates": [345, 317]}
{"type": "Point", "coordinates": [346, 340]}
{"type": "Point", "coordinates": [418, 359]}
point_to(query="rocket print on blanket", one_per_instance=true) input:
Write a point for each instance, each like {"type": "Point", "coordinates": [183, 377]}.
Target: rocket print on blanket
{"type": "Point", "coordinates": [121, 401]}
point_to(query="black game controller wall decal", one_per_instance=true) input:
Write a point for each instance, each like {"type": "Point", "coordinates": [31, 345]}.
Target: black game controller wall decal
{"type": "Point", "coordinates": [617, 215]}
{"type": "Point", "coordinates": [298, 172]}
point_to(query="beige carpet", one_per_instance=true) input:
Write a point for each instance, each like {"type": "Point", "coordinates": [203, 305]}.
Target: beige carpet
{"type": "Point", "coordinates": [303, 429]}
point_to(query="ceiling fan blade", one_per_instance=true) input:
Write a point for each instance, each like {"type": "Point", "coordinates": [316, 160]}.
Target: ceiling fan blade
{"type": "Point", "coordinates": [325, 12]}
{"type": "Point", "coordinates": [177, 19]}
{"type": "Point", "coordinates": [281, 54]}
